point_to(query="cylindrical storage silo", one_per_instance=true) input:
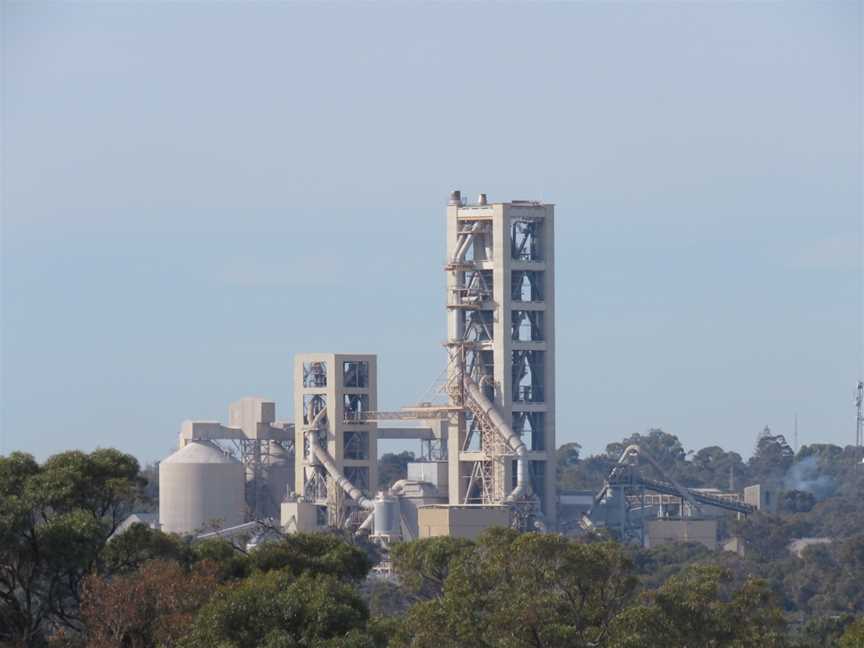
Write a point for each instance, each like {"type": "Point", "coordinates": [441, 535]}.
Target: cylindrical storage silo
{"type": "Point", "coordinates": [387, 516]}
{"type": "Point", "coordinates": [200, 487]}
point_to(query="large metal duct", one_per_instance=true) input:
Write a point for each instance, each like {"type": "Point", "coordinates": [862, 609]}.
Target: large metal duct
{"type": "Point", "coordinates": [341, 480]}
{"type": "Point", "coordinates": [199, 485]}
{"type": "Point", "coordinates": [513, 440]}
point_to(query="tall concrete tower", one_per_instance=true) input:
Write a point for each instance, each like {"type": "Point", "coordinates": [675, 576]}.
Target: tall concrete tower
{"type": "Point", "coordinates": [331, 395]}
{"type": "Point", "coordinates": [501, 339]}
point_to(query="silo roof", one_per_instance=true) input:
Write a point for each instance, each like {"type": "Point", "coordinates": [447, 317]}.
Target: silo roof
{"type": "Point", "coordinates": [200, 452]}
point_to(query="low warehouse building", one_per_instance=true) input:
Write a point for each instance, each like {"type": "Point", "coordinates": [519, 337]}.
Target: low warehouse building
{"type": "Point", "coordinates": [465, 521]}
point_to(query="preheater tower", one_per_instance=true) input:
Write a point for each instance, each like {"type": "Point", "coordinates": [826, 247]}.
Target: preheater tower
{"type": "Point", "coordinates": [501, 337]}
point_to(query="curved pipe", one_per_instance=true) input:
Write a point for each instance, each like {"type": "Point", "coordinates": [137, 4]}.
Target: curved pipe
{"type": "Point", "coordinates": [398, 486]}
{"type": "Point", "coordinates": [488, 407]}
{"type": "Point", "coordinates": [462, 248]}
{"type": "Point", "coordinates": [367, 523]}
{"type": "Point", "coordinates": [330, 466]}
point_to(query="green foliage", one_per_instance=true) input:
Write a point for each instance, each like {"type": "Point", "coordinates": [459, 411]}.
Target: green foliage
{"type": "Point", "coordinates": [823, 631]}
{"type": "Point", "coordinates": [515, 590]}
{"type": "Point", "coordinates": [690, 610]}
{"type": "Point", "coordinates": [665, 448]}
{"type": "Point", "coordinates": [54, 521]}
{"type": "Point", "coordinates": [148, 589]}
{"type": "Point", "coordinates": [231, 564]}
{"type": "Point", "coordinates": [796, 501]}
{"type": "Point", "coordinates": [315, 553]}
{"type": "Point", "coordinates": [827, 580]}
{"type": "Point", "coordinates": [766, 536]}
{"type": "Point", "coordinates": [138, 544]}
{"type": "Point", "coordinates": [655, 566]}
{"type": "Point", "coordinates": [709, 467]}
{"type": "Point", "coordinates": [103, 483]}
{"type": "Point", "coordinates": [854, 635]}
{"type": "Point", "coordinates": [773, 457]}
{"type": "Point", "coordinates": [423, 565]}
{"type": "Point", "coordinates": [392, 467]}
{"type": "Point", "coordinates": [277, 610]}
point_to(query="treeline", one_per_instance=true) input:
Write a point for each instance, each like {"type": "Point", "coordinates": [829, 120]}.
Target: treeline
{"type": "Point", "coordinates": [820, 470]}
{"type": "Point", "coordinates": [820, 488]}
{"type": "Point", "coordinates": [63, 584]}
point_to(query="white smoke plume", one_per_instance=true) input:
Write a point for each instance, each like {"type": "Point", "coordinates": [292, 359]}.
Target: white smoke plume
{"type": "Point", "coordinates": [805, 476]}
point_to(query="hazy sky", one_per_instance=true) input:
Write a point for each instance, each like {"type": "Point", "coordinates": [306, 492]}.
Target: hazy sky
{"type": "Point", "coordinates": [193, 192]}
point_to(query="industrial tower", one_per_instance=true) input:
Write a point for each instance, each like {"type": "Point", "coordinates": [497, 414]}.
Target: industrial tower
{"type": "Point", "coordinates": [337, 449]}
{"type": "Point", "coordinates": [501, 343]}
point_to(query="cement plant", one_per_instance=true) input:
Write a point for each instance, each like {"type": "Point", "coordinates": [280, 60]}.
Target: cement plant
{"type": "Point", "coordinates": [486, 442]}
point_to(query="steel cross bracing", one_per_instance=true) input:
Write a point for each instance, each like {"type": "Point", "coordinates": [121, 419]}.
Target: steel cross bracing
{"type": "Point", "coordinates": [487, 483]}
{"type": "Point", "coordinates": [255, 455]}
{"type": "Point", "coordinates": [470, 353]}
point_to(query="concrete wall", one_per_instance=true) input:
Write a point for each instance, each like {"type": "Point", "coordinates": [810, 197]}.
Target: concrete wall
{"type": "Point", "coordinates": [659, 532]}
{"type": "Point", "coordinates": [460, 521]}
{"type": "Point", "coordinates": [762, 497]}
{"type": "Point", "coordinates": [299, 517]}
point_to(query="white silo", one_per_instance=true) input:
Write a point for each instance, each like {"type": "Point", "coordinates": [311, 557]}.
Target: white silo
{"type": "Point", "coordinates": [200, 485]}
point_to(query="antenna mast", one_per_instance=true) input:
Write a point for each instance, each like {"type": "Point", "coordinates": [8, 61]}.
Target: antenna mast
{"type": "Point", "coordinates": [859, 421]}
{"type": "Point", "coordinates": [796, 433]}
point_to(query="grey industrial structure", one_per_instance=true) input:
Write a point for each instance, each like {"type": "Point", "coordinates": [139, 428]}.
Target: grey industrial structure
{"type": "Point", "coordinates": [487, 445]}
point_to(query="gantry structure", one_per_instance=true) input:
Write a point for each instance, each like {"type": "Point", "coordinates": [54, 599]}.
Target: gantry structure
{"type": "Point", "coordinates": [501, 346]}
{"type": "Point", "coordinates": [496, 431]}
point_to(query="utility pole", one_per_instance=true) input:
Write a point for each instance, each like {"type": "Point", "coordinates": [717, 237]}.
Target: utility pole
{"type": "Point", "coordinates": [795, 433]}
{"type": "Point", "coordinates": [859, 421]}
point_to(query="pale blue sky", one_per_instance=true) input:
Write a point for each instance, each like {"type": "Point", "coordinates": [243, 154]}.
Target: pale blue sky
{"type": "Point", "coordinates": [193, 192]}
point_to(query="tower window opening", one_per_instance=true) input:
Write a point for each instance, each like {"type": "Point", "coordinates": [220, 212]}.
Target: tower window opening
{"type": "Point", "coordinates": [354, 406]}
{"type": "Point", "coordinates": [314, 404]}
{"type": "Point", "coordinates": [356, 444]}
{"type": "Point", "coordinates": [355, 373]}
{"type": "Point", "coordinates": [480, 366]}
{"type": "Point", "coordinates": [314, 374]}
{"type": "Point", "coordinates": [528, 376]}
{"type": "Point", "coordinates": [359, 476]}
{"type": "Point", "coordinates": [478, 325]}
{"type": "Point", "coordinates": [472, 434]}
{"type": "Point", "coordinates": [529, 426]}
{"type": "Point", "coordinates": [527, 326]}
{"type": "Point", "coordinates": [526, 286]}
{"type": "Point", "coordinates": [475, 288]}
{"type": "Point", "coordinates": [476, 239]}
{"type": "Point", "coordinates": [525, 240]}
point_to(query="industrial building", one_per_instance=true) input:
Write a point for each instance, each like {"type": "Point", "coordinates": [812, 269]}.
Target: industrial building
{"type": "Point", "coordinates": [485, 446]}
{"type": "Point", "coordinates": [650, 510]}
